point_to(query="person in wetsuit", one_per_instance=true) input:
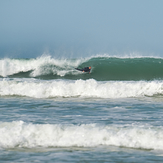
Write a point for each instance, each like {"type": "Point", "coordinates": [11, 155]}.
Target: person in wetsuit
{"type": "Point", "coordinates": [85, 69]}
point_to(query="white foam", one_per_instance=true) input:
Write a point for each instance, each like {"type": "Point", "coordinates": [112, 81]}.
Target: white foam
{"type": "Point", "coordinates": [20, 134]}
{"type": "Point", "coordinates": [38, 66]}
{"type": "Point", "coordinates": [79, 88]}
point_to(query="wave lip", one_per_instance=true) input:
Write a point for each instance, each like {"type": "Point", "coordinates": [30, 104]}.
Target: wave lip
{"type": "Point", "coordinates": [21, 134]}
{"type": "Point", "coordinates": [80, 88]}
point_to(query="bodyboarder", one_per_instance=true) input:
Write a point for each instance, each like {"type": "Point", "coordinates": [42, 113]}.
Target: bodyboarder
{"type": "Point", "coordinates": [85, 69]}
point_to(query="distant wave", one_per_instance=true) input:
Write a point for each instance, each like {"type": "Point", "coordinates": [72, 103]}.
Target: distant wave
{"type": "Point", "coordinates": [80, 88]}
{"type": "Point", "coordinates": [104, 68]}
{"type": "Point", "coordinates": [28, 135]}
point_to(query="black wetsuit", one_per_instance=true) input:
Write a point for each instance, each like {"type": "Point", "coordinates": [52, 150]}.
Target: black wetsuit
{"type": "Point", "coordinates": [85, 69]}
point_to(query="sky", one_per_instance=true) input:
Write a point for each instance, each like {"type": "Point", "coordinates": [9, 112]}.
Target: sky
{"type": "Point", "coordinates": [75, 28]}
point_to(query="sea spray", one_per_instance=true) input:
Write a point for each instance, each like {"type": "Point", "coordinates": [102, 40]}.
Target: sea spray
{"type": "Point", "coordinates": [40, 66]}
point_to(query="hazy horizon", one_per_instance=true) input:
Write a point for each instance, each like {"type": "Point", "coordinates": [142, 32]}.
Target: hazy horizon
{"type": "Point", "coordinates": [80, 28]}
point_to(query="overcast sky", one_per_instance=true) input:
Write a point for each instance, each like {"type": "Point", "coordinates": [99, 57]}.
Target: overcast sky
{"type": "Point", "coordinates": [80, 27]}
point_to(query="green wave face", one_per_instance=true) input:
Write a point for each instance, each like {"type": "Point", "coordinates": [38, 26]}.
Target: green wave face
{"type": "Point", "coordinates": [126, 69]}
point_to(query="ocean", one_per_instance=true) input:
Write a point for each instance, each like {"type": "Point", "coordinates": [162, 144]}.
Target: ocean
{"type": "Point", "coordinates": [50, 112]}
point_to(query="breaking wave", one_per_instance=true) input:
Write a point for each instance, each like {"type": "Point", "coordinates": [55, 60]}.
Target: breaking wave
{"type": "Point", "coordinates": [90, 88]}
{"type": "Point", "coordinates": [28, 135]}
{"type": "Point", "coordinates": [104, 68]}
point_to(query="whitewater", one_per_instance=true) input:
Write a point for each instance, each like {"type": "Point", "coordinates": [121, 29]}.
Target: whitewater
{"type": "Point", "coordinates": [85, 135]}
{"type": "Point", "coordinates": [50, 112]}
{"type": "Point", "coordinates": [79, 88]}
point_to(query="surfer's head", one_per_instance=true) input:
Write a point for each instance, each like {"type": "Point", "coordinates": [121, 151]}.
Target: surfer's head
{"type": "Point", "coordinates": [89, 67]}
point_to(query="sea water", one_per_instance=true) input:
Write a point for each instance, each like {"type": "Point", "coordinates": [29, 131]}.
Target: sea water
{"type": "Point", "coordinates": [50, 112]}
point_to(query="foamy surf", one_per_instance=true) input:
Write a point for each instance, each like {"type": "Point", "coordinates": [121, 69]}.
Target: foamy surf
{"type": "Point", "coordinates": [28, 135]}
{"type": "Point", "coordinates": [79, 88]}
{"type": "Point", "coordinates": [40, 66]}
